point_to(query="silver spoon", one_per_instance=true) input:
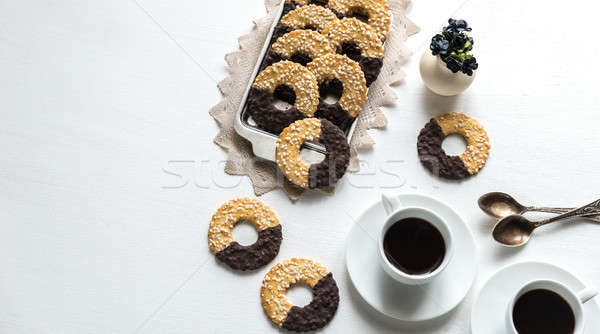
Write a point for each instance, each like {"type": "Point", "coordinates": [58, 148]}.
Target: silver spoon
{"type": "Point", "coordinates": [500, 205]}
{"type": "Point", "coordinates": [516, 230]}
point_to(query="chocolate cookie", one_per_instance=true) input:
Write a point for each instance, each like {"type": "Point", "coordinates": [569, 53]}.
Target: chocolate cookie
{"type": "Point", "coordinates": [434, 158]}
{"type": "Point", "coordinates": [286, 81]}
{"type": "Point", "coordinates": [310, 17]}
{"type": "Point", "coordinates": [236, 256]}
{"type": "Point", "coordinates": [375, 13]}
{"type": "Point", "coordinates": [282, 312]}
{"type": "Point", "coordinates": [299, 46]}
{"type": "Point", "coordinates": [359, 42]}
{"type": "Point", "coordinates": [342, 77]}
{"type": "Point", "coordinates": [306, 175]}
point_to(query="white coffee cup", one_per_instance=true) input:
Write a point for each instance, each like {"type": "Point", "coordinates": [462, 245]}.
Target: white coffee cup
{"type": "Point", "coordinates": [396, 212]}
{"type": "Point", "coordinates": [575, 301]}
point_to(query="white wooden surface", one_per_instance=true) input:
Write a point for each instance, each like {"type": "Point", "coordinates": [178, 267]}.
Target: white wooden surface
{"type": "Point", "coordinates": [104, 104]}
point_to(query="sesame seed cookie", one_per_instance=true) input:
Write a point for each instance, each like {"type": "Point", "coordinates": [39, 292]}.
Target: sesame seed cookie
{"type": "Point", "coordinates": [236, 256]}
{"type": "Point", "coordinates": [438, 162]}
{"type": "Point", "coordinates": [299, 46]}
{"type": "Point", "coordinates": [311, 17]}
{"type": "Point", "coordinates": [287, 81]}
{"type": "Point", "coordinates": [360, 43]}
{"type": "Point", "coordinates": [306, 175]}
{"type": "Point", "coordinates": [282, 312]}
{"type": "Point", "coordinates": [339, 75]}
{"type": "Point", "coordinates": [376, 13]}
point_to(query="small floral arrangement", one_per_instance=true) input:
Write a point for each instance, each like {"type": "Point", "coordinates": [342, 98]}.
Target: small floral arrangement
{"type": "Point", "coordinates": [454, 46]}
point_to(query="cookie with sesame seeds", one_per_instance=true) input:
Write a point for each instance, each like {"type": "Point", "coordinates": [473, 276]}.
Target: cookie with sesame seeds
{"type": "Point", "coordinates": [434, 158]}
{"type": "Point", "coordinates": [286, 81]}
{"type": "Point", "coordinates": [376, 13]}
{"type": "Point", "coordinates": [236, 256]}
{"type": "Point", "coordinates": [282, 312]}
{"type": "Point", "coordinates": [342, 77]}
{"type": "Point", "coordinates": [318, 175]}
{"type": "Point", "coordinates": [299, 46]}
{"type": "Point", "coordinates": [359, 42]}
{"type": "Point", "coordinates": [311, 17]}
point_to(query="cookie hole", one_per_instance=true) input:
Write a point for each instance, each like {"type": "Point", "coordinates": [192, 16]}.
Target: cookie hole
{"type": "Point", "coordinates": [299, 294]}
{"type": "Point", "coordinates": [301, 58]}
{"type": "Point", "coordinates": [310, 27]}
{"type": "Point", "coordinates": [359, 13]}
{"type": "Point", "coordinates": [351, 50]}
{"type": "Point", "coordinates": [454, 144]}
{"type": "Point", "coordinates": [285, 97]}
{"type": "Point", "coordinates": [319, 2]}
{"type": "Point", "coordinates": [331, 91]}
{"type": "Point", "coordinates": [310, 156]}
{"type": "Point", "coordinates": [244, 233]}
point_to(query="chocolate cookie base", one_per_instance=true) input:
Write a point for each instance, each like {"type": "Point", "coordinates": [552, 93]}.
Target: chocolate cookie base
{"type": "Point", "coordinates": [280, 30]}
{"type": "Point", "coordinates": [288, 7]}
{"type": "Point", "coordinates": [258, 254]}
{"type": "Point", "coordinates": [266, 115]}
{"type": "Point", "coordinates": [333, 112]}
{"type": "Point", "coordinates": [319, 312]}
{"type": "Point", "coordinates": [337, 157]}
{"type": "Point", "coordinates": [272, 57]}
{"type": "Point", "coordinates": [370, 66]}
{"type": "Point", "coordinates": [434, 158]}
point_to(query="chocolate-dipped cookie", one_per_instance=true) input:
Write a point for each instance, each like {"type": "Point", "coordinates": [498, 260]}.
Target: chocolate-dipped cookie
{"type": "Point", "coordinates": [236, 256]}
{"type": "Point", "coordinates": [342, 77]}
{"type": "Point", "coordinates": [434, 158]}
{"type": "Point", "coordinates": [375, 13]}
{"type": "Point", "coordinates": [286, 81]}
{"type": "Point", "coordinates": [310, 17]}
{"type": "Point", "coordinates": [282, 312]}
{"type": "Point", "coordinates": [359, 42]}
{"type": "Point", "coordinates": [299, 46]}
{"type": "Point", "coordinates": [306, 175]}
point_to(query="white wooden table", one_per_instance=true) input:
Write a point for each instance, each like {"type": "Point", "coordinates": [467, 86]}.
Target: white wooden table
{"type": "Point", "coordinates": [108, 173]}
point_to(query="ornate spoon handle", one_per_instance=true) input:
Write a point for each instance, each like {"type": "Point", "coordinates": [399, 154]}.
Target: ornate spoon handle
{"type": "Point", "coordinates": [584, 211]}
{"type": "Point", "coordinates": [595, 217]}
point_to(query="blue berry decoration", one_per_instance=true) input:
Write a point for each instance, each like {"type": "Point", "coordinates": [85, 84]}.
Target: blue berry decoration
{"type": "Point", "coordinates": [454, 46]}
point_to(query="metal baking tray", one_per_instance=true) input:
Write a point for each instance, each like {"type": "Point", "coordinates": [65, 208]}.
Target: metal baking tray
{"type": "Point", "coordinates": [263, 142]}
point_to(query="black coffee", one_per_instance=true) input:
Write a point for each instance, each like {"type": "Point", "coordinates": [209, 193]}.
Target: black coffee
{"type": "Point", "coordinates": [414, 246]}
{"type": "Point", "coordinates": [543, 311]}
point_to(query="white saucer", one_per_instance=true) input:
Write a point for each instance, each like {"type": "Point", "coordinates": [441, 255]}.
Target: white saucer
{"type": "Point", "coordinates": [403, 302]}
{"type": "Point", "coordinates": [489, 309]}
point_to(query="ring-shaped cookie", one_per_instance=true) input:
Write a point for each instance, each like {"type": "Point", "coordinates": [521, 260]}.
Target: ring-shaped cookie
{"type": "Point", "coordinates": [282, 312]}
{"type": "Point", "coordinates": [287, 81]}
{"type": "Point", "coordinates": [434, 158]}
{"type": "Point", "coordinates": [302, 173]}
{"type": "Point", "coordinates": [311, 17]}
{"type": "Point", "coordinates": [299, 46]}
{"type": "Point", "coordinates": [236, 256]}
{"type": "Point", "coordinates": [376, 13]}
{"type": "Point", "coordinates": [349, 77]}
{"type": "Point", "coordinates": [359, 42]}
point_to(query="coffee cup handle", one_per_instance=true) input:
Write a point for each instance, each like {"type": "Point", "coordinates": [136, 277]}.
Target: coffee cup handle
{"type": "Point", "coordinates": [587, 294]}
{"type": "Point", "coordinates": [390, 202]}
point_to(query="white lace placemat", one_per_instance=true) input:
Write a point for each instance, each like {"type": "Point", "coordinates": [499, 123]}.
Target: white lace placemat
{"type": "Point", "coordinates": [265, 175]}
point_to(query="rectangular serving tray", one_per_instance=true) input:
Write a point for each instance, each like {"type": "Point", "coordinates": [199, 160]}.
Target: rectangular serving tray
{"type": "Point", "coordinates": [263, 142]}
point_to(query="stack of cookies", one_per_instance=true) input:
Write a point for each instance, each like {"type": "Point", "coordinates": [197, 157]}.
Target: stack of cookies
{"type": "Point", "coordinates": [322, 57]}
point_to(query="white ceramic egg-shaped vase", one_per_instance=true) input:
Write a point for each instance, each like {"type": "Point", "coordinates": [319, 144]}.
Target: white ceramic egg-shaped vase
{"type": "Point", "coordinates": [439, 79]}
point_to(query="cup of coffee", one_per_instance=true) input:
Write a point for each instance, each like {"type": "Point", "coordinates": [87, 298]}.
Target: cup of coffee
{"type": "Point", "coordinates": [415, 244]}
{"type": "Point", "coordinates": [548, 307]}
